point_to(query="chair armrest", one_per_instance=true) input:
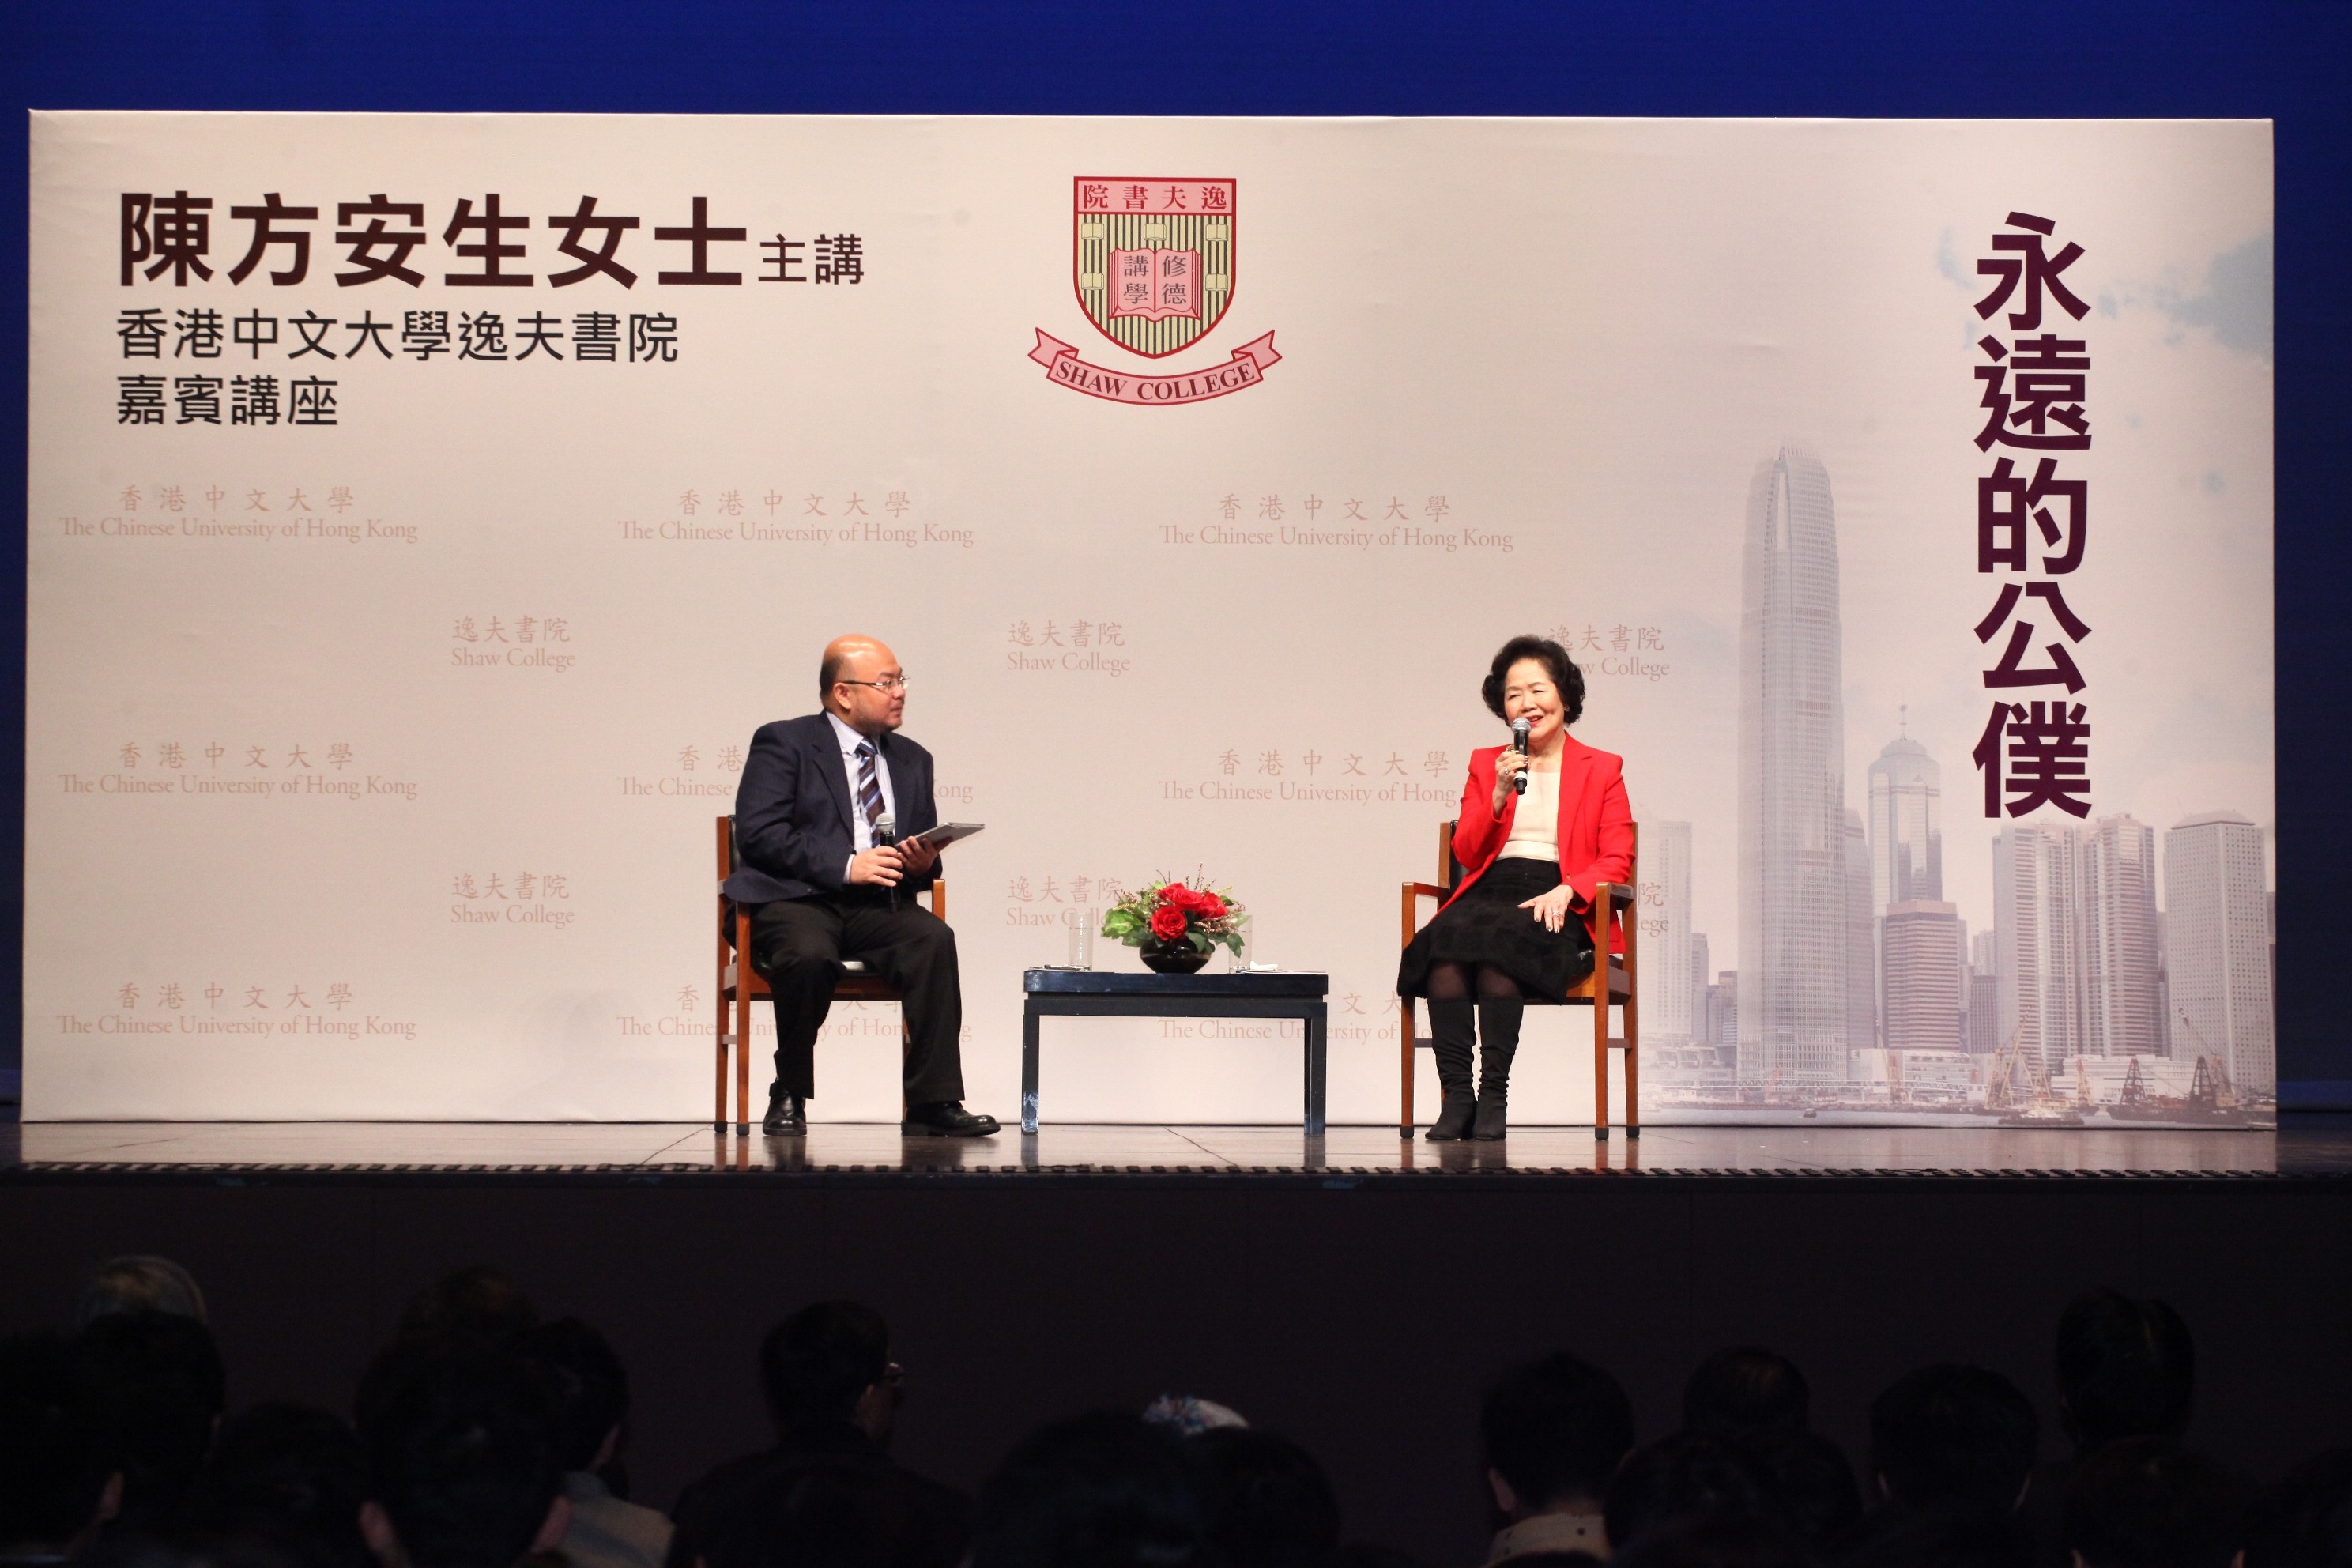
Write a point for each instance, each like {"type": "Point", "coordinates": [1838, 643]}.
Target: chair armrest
{"type": "Point", "coordinates": [1410, 899]}
{"type": "Point", "coordinates": [1608, 899]}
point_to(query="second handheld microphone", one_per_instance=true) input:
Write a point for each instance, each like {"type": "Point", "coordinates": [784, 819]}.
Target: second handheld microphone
{"type": "Point", "coordinates": [885, 832]}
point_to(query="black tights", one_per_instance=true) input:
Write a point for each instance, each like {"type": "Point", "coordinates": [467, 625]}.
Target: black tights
{"type": "Point", "coordinates": [1500, 1005]}
{"type": "Point", "coordinates": [1452, 982]}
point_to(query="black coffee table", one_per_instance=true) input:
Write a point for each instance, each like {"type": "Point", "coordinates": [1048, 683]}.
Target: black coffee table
{"type": "Point", "coordinates": [1094, 994]}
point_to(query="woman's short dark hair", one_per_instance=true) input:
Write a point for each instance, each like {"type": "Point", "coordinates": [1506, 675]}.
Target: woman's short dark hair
{"type": "Point", "coordinates": [1554, 657]}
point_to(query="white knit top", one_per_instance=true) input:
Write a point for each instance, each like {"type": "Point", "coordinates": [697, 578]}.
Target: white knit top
{"type": "Point", "coordinates": [1535, 831]}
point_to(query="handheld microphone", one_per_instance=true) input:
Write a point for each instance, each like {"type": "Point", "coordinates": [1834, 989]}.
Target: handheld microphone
{"type": "Point", "coordinates": [886, 831]}
{"type": "Point", "coordinates": [1520, 744]}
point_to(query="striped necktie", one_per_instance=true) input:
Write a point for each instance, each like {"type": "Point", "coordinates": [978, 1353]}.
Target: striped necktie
{"type": "Point", "coordinates": [869, 785]}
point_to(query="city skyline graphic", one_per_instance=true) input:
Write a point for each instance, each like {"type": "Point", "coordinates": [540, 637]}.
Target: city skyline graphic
{"type": "Point", "coordinates": [2112, 985]}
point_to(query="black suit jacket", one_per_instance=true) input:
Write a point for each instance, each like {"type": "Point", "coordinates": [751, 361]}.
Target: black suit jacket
{"type": "Point", "coordinates": [794, 830]}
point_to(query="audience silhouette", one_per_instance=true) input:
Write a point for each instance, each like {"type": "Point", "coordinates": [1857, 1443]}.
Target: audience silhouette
{"type": "Point", "coordinates": [485, 1435]}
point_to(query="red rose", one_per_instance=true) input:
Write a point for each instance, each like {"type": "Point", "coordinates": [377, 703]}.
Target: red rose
{"type": "Point", "coordinates": [1183, 897]}
{"type": "Point", "coordinates": [1211, 906]}
{"type": "Point", "coordinates": [1167, 923]}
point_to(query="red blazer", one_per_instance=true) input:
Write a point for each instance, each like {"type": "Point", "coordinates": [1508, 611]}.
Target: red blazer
{"type": "Point", "coordinates": [1596, 824]}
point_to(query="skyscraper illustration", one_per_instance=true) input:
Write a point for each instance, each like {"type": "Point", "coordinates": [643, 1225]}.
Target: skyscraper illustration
{"type": "Point", "coordinates": [1702, 976]}
{"type": "Point", "coordinates": [2119, 939]}
{"type": "Point", "coordinates": [1906, 840]}
{"type": "Point", "coordinates": [1920, 942]}
{"type": "Point", "coordinates": [2217, 948]}
{"type": "Point", "coordinates": [1793, 1004]}
{"type": "Point", "coordinates": [1860, 941]}
{"type": "Point", "coordinates": [2076, 940]}
{"type": "Point", "coordinates": [2037, 942]}
{"type": "Point", "coordinates": [1984, 994]}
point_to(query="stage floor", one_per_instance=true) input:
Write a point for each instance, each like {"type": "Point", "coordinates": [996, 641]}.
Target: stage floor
{"type": "Point", "coordinates": [642, 1151]}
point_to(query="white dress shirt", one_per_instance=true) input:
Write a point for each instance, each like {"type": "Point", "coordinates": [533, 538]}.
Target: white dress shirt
{"type": "Point", "coordinates": [861, 832]}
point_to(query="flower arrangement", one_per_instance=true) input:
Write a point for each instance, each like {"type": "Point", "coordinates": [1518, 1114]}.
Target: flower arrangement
{"type": "Point", "coordinates": [1173, 918]}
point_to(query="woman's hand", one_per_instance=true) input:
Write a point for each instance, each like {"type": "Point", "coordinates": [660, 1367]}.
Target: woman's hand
{"type": "Point", "coordinates": [1509, 765]}
{"type": "Point", "coordinates": [1551, 909]}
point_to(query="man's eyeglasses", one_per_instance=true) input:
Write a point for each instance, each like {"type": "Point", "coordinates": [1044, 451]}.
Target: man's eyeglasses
{"type": "Point", "coordinates": [887, 683]}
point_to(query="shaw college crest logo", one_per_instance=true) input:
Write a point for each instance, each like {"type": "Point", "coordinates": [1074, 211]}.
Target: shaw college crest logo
{"type": "Point", "coordinates": [1153, 261]}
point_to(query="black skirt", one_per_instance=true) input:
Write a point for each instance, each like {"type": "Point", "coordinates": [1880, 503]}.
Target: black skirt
{"type": "Point", "coordinates": [1485, 925]}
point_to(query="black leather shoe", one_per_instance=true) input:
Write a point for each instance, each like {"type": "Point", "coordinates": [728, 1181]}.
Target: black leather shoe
{"type": "Point", "coordinates": [948, 1119]}
{"type": "Point", "coordinates": [787, 1116]}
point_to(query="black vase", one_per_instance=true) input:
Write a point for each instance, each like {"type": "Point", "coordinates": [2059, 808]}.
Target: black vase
{"type": "Point", "coordinates": [1178, 957]}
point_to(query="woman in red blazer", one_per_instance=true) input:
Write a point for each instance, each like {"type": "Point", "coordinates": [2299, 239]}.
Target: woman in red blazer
{"type": "Point", "coordinates": [1530, 862]}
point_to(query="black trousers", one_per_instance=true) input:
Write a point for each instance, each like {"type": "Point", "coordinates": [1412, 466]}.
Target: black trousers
{"type": "Point", "coordinates": [799, 943]}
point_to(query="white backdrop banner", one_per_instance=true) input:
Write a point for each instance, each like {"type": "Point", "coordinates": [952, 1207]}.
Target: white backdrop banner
{"type": "Point", "coordinates": [424, 512]}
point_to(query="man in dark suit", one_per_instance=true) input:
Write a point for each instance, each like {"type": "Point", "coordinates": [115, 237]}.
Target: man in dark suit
{"type": "Point", "coordinates": [814, 863]}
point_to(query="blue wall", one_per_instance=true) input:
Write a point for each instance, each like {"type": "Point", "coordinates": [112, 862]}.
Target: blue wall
{"type": "Point", "coordinates": [2290, 63]}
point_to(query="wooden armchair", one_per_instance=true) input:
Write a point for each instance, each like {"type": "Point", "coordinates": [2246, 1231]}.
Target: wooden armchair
{"type": "Point", "coordinates": [1617, 968]}
{"type": "Point", "coordinates": [740, 985]}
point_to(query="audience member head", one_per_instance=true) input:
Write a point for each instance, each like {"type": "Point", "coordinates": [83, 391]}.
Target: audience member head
{"type": "Point", "coordinates": [1953, 1437]}
{"type": "Point", "coordinates": [827, 1363]}
{"type": "Point", "coordinates": [1365, 1554]}
{"type": "Point", "coordinates": [2146, 1503]}
{"type": "Point", "coordinates": [289, 1476]}
{"type": "Point", "coordinates": [1554, 1432]}
{"type": "Point", "coordinates": [462, 1455]}
{"type": "Point", "coordinates": [1898, 1537]}
{"type": "Point", "coordinates": [477, 1302]}
{"type": "Point", "coordinates": [1685, 1482]}
{"type": "Point", "coordinates": [2127, 1368]}
{"type": "Point", "coordinates": [1270, 1505]}
{"type": "Point", "coordinates": [158, 1391]}
{"type": "Point", "coordinates": [1746, 1388]}
{"type": "Point", "coordinates": [591, 1389]}
{"type": "Point", "coordinates": [835, 1514]}
{"type": "Point", "coordinates": [1716, 1544]}
{"type": "Point", "coordinates": [1105, 1491]}
{"type": "Point", "coordinates": [1188, 1416]}
{"type": "Point", "coordinates": [136, 1282]}
{"type": "Point", "coordinates": [1809, 1487]}
{"type": "Point", "coordinates": [133, 1549]}
{"type": "Point", "coordinates": [58, 1481]}
{"type": "Point", "coordinates": [2305, 1521]}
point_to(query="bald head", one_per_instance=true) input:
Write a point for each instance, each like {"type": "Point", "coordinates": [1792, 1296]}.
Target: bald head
{"type": "Point", "coordinates": [852, 656]}
{"type": "Point", "coordinates": [860, 684]}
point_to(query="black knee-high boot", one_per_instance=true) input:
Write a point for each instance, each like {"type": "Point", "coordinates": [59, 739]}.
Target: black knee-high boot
{"type": "Point", "coordinates": [1498, 1042]}
{"type": "Point", "coordinates": [1452, 1027]}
